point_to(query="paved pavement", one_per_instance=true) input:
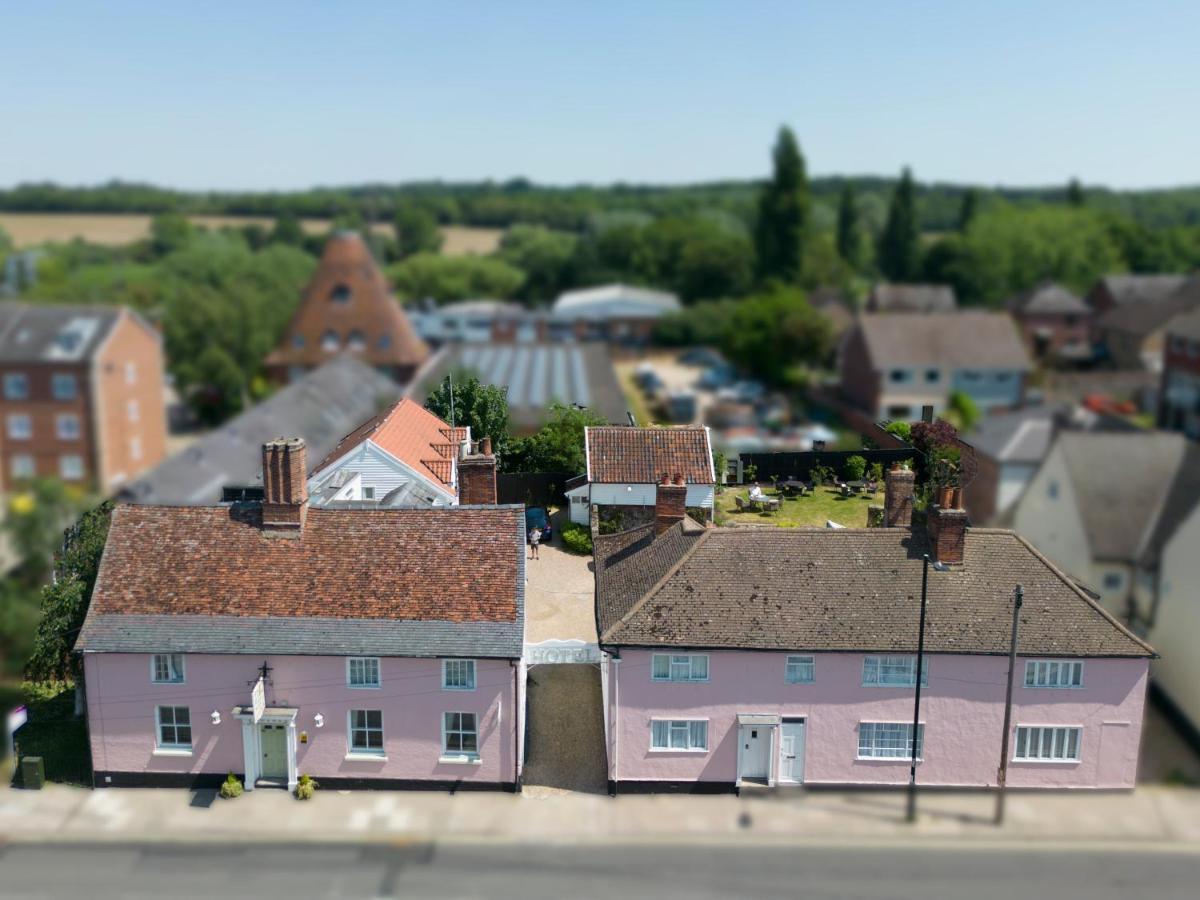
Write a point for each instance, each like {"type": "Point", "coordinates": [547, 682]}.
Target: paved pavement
{"type": "Point", "coordinates": [531, 873]}
{"type": "Point", "coordinates": [559, 594]}
{"type": "Point", "coordinates": [1151, 816]}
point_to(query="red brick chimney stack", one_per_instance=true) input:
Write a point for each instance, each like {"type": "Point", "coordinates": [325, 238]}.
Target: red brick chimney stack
{"type": "Point", "coordinates": [670, 502]}
{"type": "Point", "coordinates": [899, 485]}
{"type": "Point", "coordinates": [477, 476]}
{"type": "Point", "coordinates": [946, 524]}
{"type": "Point", "coordinates": [285, 487]}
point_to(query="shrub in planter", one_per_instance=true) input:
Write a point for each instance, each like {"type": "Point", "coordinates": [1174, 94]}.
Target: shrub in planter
{"type": "Point", "coordinates": [231, 787]}
{"type": "Point", "coordinates": [306, 787]}
{"type": "Point", "coordinates": [577, 538]}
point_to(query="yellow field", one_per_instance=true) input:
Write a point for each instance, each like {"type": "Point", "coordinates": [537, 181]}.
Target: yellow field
{"type": "Point", "coordinates": [30, 229]}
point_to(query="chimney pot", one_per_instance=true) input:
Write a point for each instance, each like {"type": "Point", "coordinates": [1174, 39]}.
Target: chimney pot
{"type": "Point", "coordinates": [485, 446]}
{"type": "Point", "coordinates": [679, 479]}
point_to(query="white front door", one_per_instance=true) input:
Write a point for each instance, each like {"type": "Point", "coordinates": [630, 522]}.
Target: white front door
{"type": "Point", "coordinates": [791, 751]}
{"type": "Point", "coordinates": [756, 751]}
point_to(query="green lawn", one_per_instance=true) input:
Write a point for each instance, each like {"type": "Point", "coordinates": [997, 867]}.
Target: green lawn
{"type": "Point", "coordinates": [814, 509]}
{"type": "Point", "coordinates": [53, 732]}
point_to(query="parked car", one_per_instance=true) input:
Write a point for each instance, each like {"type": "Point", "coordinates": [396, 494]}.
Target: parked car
{"type": "Point", "coordinates": [715, 378]}
{"type": "Point", "coordinates": [537, 517]}
{"type": "Point", "coordinates": [704, 357]}
{"type": "Point", "coordinates": [743, 392]}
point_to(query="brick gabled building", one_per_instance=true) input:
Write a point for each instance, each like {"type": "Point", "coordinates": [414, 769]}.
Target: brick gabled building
{"type": "Point", "coordinates": [348, 307]}
{"type": "Point", "coordinates": [81, 395]}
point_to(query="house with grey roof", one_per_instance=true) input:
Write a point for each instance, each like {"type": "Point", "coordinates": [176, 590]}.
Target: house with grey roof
{"type": "Point", "coordinates": [1120, 512]}
{"type": "Point", "coordinates": [1009, 447]}
{"type": "Point", "coordinates": [893, 364]}
{"type": "Point", "coordinates": [374, 648]}
{"type": "Point", "coordinates": [911, 298]}
{"type": "Point", "coordinates": [789, 656]}
{"type": "Point", "coordinates": [321, 406]}
{"type": "Point", "coordinates": [1134, 333]}
{"type": "Point", "coordinates": [1055, 322]}
{"type": "Point", "coordinates": [1179, 407]}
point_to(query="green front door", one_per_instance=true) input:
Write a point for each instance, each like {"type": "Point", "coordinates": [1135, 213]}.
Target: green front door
{"type": "Point", "coordinates": [274, 751]}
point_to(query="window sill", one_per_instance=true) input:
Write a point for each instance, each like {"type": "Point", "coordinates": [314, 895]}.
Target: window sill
{"type": "Point", "coordinates": [888, 759]}
{"type": "Point", "coordinates": [460, 761]}
{"type": "Point", "coordinates": [458, 689]}
{"type": "Point", "coordinates": [364, 687]}
{"type": "Point", "coordinates": [1048, 762]}
{"type": "Point", "coordinates": [676, 750]}
{"type": "Point", "coordinates": [366, 757]}
{"type": "Point", "coordinates": [172, 751]}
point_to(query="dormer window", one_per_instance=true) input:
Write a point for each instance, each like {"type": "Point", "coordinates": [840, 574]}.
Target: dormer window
{"type": "Point", "coordinates": [330, 341]}
{"type": "Point", "coordinates": [384, 342]}
{"type": "Point", "coordinates": [340, 294]}
{"type": "Point", "coordinates": [357, 341]}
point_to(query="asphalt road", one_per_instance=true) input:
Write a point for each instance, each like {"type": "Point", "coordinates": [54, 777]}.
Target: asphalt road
{"type": "Point", "coordinates": [499, 871]}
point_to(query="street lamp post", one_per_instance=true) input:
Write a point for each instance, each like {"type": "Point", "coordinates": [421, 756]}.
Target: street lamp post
{"type": "Point", "coordinates": [916, 726]}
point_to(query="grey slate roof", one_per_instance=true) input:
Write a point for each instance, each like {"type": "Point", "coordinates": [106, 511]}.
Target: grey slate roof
{"type": "Point", "coordinates": [300, 636]}
{"type": "Point", "coordinates": [847, 590]}
{"type": "Point", "coordinates": [1149, 315]}
{"type": "Point", "coordinates": [1021, 436]}
{"type": "Point", "coordinates": [1133, 289]}
{"type": "Point", "coordinates": [53, 332]}
{"type": "Point", "coordinates": [320, 407]}
{"type": "Point", "coordinates": [969, 340]}
{"type": "Point", "coordinates": [1049, 297]}
{"type": "Point", "coordinates": [1187, 324]}
{"type": "Point", "coordinates": [911, 298]}
{"type": "Point", "coordinates": [1123, 481]}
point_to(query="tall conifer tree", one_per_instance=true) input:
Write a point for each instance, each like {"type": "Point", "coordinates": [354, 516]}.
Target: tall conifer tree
{"type": "Point", "coordinates": [783, 213]}
{"type": "Point", "coordinates": [900, 243]}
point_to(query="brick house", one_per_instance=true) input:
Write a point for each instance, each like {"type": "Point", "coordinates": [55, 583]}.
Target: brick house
{"type": "Point", "coordinates": [81, 395]}
{"type": "Point", "coordinates": [787, 657]}
{"type": "Point", "coordinates": [893, 364]}
{"type": "Point", "coordinates": [347, 307]}
{"type": "Point", "coordinates": [406, 456]}
{"type": "Point", "coordinates": [366, 648]}
{"type": "Point", "coordinates": [1133, 313]}
{"type": "Point", "coordinates": [1179, 407]}
{"type": "Point", "coordinates": [1055, 323]}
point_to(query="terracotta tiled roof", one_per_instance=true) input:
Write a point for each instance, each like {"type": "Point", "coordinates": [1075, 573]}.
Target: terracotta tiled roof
{"type": "Point", "coordinates": [619, 455]}
{"type": "Point", "coordinates": [850, 590]}
{"type": "Point", "coordinates": [349, 296]}
{"type": "Point", "coordinates": [412, 434]}
{"type": "Point", "coordinates": [459, 564]}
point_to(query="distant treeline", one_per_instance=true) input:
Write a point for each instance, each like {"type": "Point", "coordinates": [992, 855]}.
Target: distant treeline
{"type": "Point", "coordinates": [500, 204]}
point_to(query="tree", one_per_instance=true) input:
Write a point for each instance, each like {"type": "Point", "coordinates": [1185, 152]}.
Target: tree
{"type": "Point", "coordinates": [966, 212]}
{"type": "Point", "coordinates": [65, 601]}
{"type": "Point", "coordinates": [546, 257]}
{"type": "Point", "coordinates": [446, 278]}
{"type": "Point", "coordinates": [36, 516]}
{"type": "Point", "coordinates": [558, 446]}
{"type": "Point", "coordinates": [964, 411]}
{"type": "Point", "coordinates": [849, 231]}
{"type": "Point", "coordinates": [169, 232]}
{"type": "Point", "coordinates": [416, 231]}
{"type": "Point", "coordinates": [462, 399]}
{"type": "Point", "coordinates": [783, 211]}
{"type": "Point", "coordinates": [287, 230]}
{"type": "Point", "coordinates": [713, 266]}
{"type": "Point", "coordinates": [1075, 195]}
{"type": "Point", "coordinates": [770, 334]}
{"type": "Point", "coordinates": [900, 243]}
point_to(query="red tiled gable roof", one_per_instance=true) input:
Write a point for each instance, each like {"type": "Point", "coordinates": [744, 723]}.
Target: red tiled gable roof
{"type": "Point", "coordinates": [412, 434]}
{"type": "Point", "coordinates": [460, 564]}
{"type": "Point", "coordinates": [618, 455]}
{"type": "Point", "coordinates": [349, 295]}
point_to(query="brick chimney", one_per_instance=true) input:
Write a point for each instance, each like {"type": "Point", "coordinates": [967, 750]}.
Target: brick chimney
{"type": "Point", "coordinates": [899, 485]}
{"type": "Point", "coordinates": [477, 476]}
{"type": "Point", "coordinates": [285, 487]}
{"type": "Point", "coordinates": [946, 524]}
{"type": "Point", "coordinates": [670, 502]}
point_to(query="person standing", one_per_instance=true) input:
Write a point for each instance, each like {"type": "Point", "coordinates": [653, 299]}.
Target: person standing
{"type": "Point", "coordinates": [535, 535]}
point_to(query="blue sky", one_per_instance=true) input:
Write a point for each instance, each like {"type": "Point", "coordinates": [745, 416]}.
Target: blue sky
{"type": "Point", "coordinates": [283, 95]}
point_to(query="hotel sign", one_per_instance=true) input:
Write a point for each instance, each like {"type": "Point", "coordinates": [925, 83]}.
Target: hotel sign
{"type": "Point", "coordinates": [258, 699]}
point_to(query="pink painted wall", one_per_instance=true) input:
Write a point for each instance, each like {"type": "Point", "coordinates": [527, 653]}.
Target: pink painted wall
{"type": "Point", "coordinates": [122, 699]}
{"type": "Point", "coordinates": [962, 709]}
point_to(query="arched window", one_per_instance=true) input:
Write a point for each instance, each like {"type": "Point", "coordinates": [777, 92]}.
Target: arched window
{"type": "Point", "coordinates": [340, 294]}
{"type": "Point", "coordinates": [330, 341]}
{"type": "Point", "coordinates": [357, 341]}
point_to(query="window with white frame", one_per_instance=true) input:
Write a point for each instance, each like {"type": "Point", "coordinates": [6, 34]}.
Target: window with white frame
{"type": "Point", "coordinates": [174, 727]}
{"type": "Point", "coordinates": [368, 493]}
{"type": "Point", "coordinates": [362, 672]}
{"type": "Point", "coordinates": [893, 671]}
{"type": "Point", "coordinates": [62, 386]}
{"type": "Point", "coordinates": [131, 372]}
{"type": "Point", "coordinates": [66, 426]}
{"type": "Point", "coordinates": [679, 667]}
{"type": "Point", "coordinates": [1047, 743]}
{"type": "Point", "coordinates": [16, 386]}
{"type": "Point", "coordinates": [800, 670]}
{"type": "Point", "coordinates": [23, 466]}
{"type": "Point", "coordinates": [132, 411]}
{"type": "Point", "coordinates": [458, 674]}
{"type": "Point", "coordinates": [366, 731]}
{"type": "Point", "coordinates": [1051, 673]}
{"type": "Point", "coordinates": [679, 734]}
{"type": "Point", "coordinates": [888, 740]}
{"type": "Point", "coordinates": [70, 467]}
{"type": "Point", "coordinates": [460, 734]}
{"type": "Point", "coordinates": [167, 668]}
{"type": "Point", "coordinates": [135, 448]}
{"type": "Point", "coordinates": [20, 426]}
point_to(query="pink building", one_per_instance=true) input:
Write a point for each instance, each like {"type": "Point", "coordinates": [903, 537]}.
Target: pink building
{"type": "Point", "coordinates": [788, 656]}
{"type": "Point", "coordinates": [363, 647]}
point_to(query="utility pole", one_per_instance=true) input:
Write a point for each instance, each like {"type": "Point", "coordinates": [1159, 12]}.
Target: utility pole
{"type": "Point", "coordinates": [1002, 773]}
{"type": "Point", "coordinates": [912, 771]}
